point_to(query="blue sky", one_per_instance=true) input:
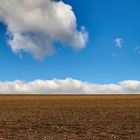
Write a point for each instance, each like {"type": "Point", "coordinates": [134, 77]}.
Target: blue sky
{"type": "Point", "coordinates": [101, 61]}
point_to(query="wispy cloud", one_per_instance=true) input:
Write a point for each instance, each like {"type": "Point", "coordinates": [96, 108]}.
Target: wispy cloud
{"type": "Point", "coordinates": [119, 42]}
{"type": "Point", "coordinates": [137, 49]}
{"type": "Point", "coordinates": [35, 25]}
{"type": "Point", "coordinates": [68, 86]}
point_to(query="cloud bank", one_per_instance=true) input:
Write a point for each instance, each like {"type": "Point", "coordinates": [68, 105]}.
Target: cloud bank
{"type": "Point", "coordinates": [68, 86]}
{"type": "Point", "coordinates": [35, 25]}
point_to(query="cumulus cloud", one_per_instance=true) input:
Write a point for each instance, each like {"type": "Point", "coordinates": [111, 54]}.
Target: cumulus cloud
{"type": "Point", "coordinates": [35, 25]}
{"type": "Point", "coordinates": [118, 42]}
{"type": "Point", "coordinates": [68, 86]}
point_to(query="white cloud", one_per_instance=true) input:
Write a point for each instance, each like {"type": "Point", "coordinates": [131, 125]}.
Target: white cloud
{"type": "Point", "coordinates": [68, 86]}
{"type": "Point", "coordinates": [35, 25]}
{"type": "Point", "coordinates": [137, 49]}
{"type": "Point", "coordinates": [118, 42]}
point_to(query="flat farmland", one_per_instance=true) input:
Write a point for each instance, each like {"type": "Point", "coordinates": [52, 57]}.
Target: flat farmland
{"type": "Point", "coordinates": [69, 117]}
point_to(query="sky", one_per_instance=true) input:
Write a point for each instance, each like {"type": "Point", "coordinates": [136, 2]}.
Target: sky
{"type": "Point", "coordinates": [88, 46]}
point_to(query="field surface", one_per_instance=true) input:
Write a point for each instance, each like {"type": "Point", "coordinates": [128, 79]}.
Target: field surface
{"type": "Point", "coordinates": [58, 117]}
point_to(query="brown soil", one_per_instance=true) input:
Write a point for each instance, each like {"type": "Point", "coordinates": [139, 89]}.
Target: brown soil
{"type": "Point", "coordinates": [99, 117]}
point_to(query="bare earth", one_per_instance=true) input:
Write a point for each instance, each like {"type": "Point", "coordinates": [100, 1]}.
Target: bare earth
{"type": "Point", "coordinates": [99, 117]}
